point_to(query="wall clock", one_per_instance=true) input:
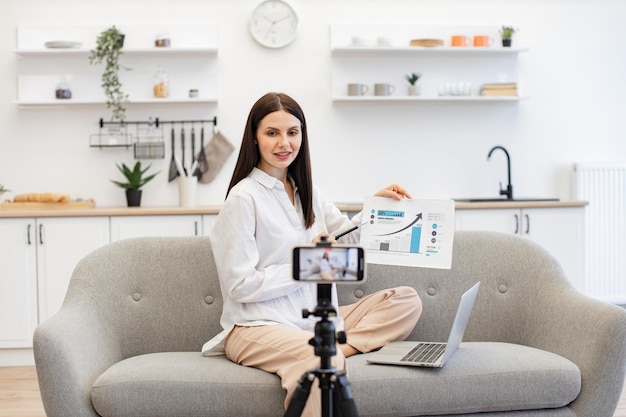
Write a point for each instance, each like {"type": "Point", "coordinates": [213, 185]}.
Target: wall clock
{"type": "Point", "coordinates": [274, 23]}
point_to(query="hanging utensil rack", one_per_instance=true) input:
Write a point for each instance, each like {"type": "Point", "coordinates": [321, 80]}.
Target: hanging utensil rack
{"type": "Point", "coordinates": [126, 134]}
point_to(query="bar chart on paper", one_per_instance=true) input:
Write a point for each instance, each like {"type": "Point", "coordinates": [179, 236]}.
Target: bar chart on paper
{"type": "Point", "coordinates": [409, 232]}
{"type": "Point", "coordinates": [402, 238]}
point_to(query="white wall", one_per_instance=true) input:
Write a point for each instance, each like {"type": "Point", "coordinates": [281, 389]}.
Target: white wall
{"type": "Point", "coordinates": [573, 73]}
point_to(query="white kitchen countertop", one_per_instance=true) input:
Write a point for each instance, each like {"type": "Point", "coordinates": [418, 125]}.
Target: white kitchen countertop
{"type": "Point", "coordinates": [214, 209]}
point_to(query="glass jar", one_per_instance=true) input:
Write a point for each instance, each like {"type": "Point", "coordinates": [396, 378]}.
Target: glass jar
{"type": "Point", "coordinates": [161, 84]}
{"type": "Point", "coordinates": [162, 40]}
{"type": "Point", "coordinates": [63, 90]}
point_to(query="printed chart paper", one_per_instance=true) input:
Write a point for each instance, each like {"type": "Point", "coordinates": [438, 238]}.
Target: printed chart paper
{"type": "Point", "coordinates": [409, 232]}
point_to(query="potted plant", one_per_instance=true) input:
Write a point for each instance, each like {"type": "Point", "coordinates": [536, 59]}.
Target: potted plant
{"type": "Point", "coordinates": [3, 190]}
{"type": "Point", "coordinates": [412, 78]}
{"type": "Point", "coordinates": [109, 44]}
{"type": "Point", "coordinates": [135, 179]}
{"type": "Point", "coordinates": [507, 35]}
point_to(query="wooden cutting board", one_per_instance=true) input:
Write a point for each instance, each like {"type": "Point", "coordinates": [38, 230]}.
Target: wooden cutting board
{"type": "Point", "coordinates": [83, 204]}
{"type": "Point", "coordinates": [426, 42]}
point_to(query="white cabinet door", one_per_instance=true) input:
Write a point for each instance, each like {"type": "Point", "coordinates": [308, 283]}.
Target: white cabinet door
{"type": "Point", "coordinates": [18, 283]}
{"type": "Point", "coordinates": [560, 231]}
{"type": "Point", "coordinates": [208, 220]}
{"type": "Point", "coordinates": [61, 243]}
{"type": "Point", "coordinates": [125, 227]}
{"type": "Point", "coordinates": [493, 220]}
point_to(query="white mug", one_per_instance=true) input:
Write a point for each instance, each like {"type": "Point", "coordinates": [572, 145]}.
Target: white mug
{"type": "Point", "coordinates": [383, 41]}
{"type": "Point", "coordinates": [356, 89]}
{"type": "Point", "coordinates": [358, 41]}
{"type": "Point", "coordinates": [384, 89]}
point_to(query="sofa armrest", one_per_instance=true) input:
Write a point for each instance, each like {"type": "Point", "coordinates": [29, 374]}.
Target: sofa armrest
{"type": "Point", "coordinates": [71, 350]}
{"type": "Point", "coordinates": [128, 298]}
{"type": "Point", "coordinates": [590, 333]}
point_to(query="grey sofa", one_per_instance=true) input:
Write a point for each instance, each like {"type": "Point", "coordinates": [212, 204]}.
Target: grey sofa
{"type": "Point", "coordinates": [127, 339]}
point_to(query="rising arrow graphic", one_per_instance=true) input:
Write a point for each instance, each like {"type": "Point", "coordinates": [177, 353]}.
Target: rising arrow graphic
{"type": "Point", "coordinates": [417, 218]}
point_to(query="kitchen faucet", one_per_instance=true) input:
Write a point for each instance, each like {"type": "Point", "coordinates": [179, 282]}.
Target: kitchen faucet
{"type": "Point", "coordinates": [509, 188]}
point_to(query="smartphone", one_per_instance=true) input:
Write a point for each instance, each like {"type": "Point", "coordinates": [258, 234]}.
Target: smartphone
{"type": "Point", "coordinates": [326, 264]}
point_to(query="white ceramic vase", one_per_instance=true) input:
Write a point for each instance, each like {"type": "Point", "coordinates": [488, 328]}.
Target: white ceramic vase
{"type": "Point", "coordinates": [414, 90]}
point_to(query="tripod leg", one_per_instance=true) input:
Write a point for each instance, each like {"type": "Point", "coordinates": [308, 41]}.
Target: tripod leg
{"type": "Point", "coordinates": [343, 397]}
{"type": "Point", "coordinates": [300, 395]}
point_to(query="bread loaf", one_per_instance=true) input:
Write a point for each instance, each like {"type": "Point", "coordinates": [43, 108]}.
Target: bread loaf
{"type": "Point", "coordinates": [41, 198]}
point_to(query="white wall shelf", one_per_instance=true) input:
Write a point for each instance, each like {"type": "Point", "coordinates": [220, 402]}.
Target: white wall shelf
{"type": "Point", "coordinates": [409, 99]}
{"type": "Point", "coordinates": [138, 36]}
{"type": "Point", "coordinates": [189, 63]}
{"type": "Point", "coordinates": [417, 50]}
{"type": "Point", "coordinates": [209, 52]}
{"type": "Point", "coordinates": [381, 53]}
{"type": "Point", "coordinates": [144, 100]}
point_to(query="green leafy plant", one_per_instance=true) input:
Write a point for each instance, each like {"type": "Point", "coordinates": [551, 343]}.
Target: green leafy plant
{"type": "Point", "coordinates": [108, 49]}
{"type": "Point", "coordinates": [413, 77]}
{"type": "Point", "coordinates": [135, 178]}
{"type": "Point", "coordinates": [3, 190]}
{"type": "Point", "coordinates": [507, 32]}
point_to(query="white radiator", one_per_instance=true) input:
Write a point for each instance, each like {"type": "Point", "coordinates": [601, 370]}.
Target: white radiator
{"type": "Point", "coordinates": [604, 187]}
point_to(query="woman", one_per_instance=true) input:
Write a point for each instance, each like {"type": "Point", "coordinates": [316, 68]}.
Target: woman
{"type": "Point", "coordinates": [272, 206]}
{"type": "Point", "coordinates": [326, 269]}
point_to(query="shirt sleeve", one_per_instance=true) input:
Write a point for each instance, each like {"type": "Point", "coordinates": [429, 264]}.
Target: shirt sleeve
{"type": "Point", "coordinates": [336, 222]}
{"type": "Point", "coordinates": [237, 257]}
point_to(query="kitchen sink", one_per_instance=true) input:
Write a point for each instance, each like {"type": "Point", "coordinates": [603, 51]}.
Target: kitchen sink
{"type": "Point", "coordinates": [496, 199]}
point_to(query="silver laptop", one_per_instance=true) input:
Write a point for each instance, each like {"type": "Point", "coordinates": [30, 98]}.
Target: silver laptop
{"type": "Point", "coordinates": [430, 354]}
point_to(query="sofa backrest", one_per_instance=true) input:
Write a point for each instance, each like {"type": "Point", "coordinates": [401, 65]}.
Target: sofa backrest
{"type": "Point", "coordinates": [155, 294]}
{"type": "Point", "coordinates": [515, 274]}
{"type": "Point", "coordinates": [162, 294]}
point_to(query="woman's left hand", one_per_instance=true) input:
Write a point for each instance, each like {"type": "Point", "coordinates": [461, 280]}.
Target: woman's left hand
{"type": "Point", "coordinates": [328, 238]}
{"type": "Point", "coordinates": [393, 191]}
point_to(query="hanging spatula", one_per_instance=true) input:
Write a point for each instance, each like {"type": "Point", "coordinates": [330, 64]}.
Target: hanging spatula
{"type": "Point", "coordinates": [196, 172]}
{"type": "Point", "coordinates": [173, 171]}
{"type": "Point", "coordinates": [203, 164]}
{"type": "Point", "coordinates": [182, 150]}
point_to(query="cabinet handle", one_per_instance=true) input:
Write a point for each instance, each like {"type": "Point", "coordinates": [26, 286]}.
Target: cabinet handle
{"type": "Point", "coordinates": [527, 223]}
{"type": "Point", "coordinates": [41, 234]}
{"type": "Point", "coordinates": [28, 234]}
{"type": "Point", "coordinates": [516, 224]}
{"type": "Point", "coordinates": [195, 225]}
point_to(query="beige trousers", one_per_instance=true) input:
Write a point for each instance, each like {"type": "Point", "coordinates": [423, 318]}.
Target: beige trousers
{"type": "Point", "coordinates": [369, 323]}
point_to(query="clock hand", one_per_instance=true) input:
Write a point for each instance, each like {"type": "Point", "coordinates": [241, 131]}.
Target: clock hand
{"type": "Point", "coordinates": [271, 29]}
{"type": "Point", "coordinates": [282, 18]}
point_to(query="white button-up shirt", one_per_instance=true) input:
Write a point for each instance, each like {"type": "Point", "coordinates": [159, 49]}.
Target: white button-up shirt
{"type": "Point", "coordinates": [253, 240]}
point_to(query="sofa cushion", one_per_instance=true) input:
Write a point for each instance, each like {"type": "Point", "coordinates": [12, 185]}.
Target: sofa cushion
{"type": "Point", "coordinates": [185, 384]}
{"type": "Point", "coordinates": [479, 377]}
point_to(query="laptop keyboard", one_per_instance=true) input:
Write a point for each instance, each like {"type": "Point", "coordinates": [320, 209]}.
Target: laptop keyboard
{"type": "Point", "coordinates": [425, 352]}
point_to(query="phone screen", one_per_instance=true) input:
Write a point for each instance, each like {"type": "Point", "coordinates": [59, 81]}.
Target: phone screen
{"type": "Point", "coordinates": [328, 263]}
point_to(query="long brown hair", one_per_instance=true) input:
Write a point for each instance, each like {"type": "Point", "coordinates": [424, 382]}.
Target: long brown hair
{"type": "Point", "coordinates": [249, 155]}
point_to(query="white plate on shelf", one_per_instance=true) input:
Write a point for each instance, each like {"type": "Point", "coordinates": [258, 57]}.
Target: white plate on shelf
{"type": "Point", "coordinates": [62, 44]}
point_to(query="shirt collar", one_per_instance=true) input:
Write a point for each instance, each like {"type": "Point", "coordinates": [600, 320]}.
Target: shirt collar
{"type": "Point", "coordinates": [267, 180]}
{"type": "Point", "coordinates": [263, 178]}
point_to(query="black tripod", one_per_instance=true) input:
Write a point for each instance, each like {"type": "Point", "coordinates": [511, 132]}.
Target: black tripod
{"type": "Point", "coordinates": [337, 398]}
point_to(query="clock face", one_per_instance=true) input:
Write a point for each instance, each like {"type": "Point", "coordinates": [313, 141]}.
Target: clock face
{"type": "Point", "coordinates": [274, 24]}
